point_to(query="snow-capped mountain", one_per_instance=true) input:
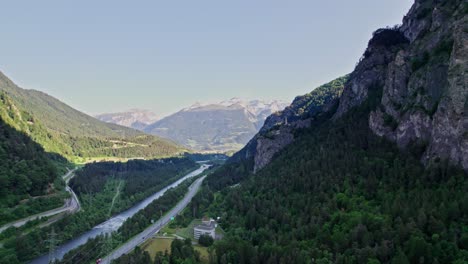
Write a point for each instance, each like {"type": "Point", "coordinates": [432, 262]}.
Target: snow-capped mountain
{"type": "Point", "coordinates": [218, 127]}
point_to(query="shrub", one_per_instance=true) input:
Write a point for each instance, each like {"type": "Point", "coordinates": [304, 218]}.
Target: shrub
{"type": "Point", "coordinates": [205, 240]}
{"type": "Point", "coordinates": [388, 37]}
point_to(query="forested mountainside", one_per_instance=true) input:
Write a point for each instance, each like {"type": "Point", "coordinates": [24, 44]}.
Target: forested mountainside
{"type": "Point", "coordinates": [341, 194]}
{"type": "Point", "coordinates": [421, 68]}
{"type": "Point", "coordinates": [277, 131]}
{"type": "Point", "coordinates": [374, 175]}
{"type": "Point", "coordinates": [26, 172]}
{"type": "Point", "coordinates": [70, 133]}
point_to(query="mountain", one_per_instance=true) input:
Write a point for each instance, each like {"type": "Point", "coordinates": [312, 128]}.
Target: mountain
{"type": "Point", "coordinates": [221, 127]}
{"type": "Point", "coordinates": [419, 71]}
{"type": "Point", "coordinates": [25, 171]}
{"type": "Point", "coordinates": [279, 128]}
{"type": "Point", "coordinates": [259, 108]}
{"type": "Point", "coordinates": [71, 133]}
{"type": "Point", "coordinates": [370, 168]}
{"type": "Point", "coordinates": [134, 118]}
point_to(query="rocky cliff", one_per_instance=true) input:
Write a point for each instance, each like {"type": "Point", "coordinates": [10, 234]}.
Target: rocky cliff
{"type": "Point", "coordinates": [418, 72]}
{"type": "Point", "coordinates": [279, 128]}
{"type": "Point", "coordinates": [423, 82]}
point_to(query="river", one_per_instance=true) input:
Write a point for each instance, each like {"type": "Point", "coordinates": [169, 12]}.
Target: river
{"type": "Point", "coordinates": [114, 222]}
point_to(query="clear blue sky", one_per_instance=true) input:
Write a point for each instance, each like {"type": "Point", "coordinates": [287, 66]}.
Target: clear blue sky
{"type": "Point", "coordinates": [104, 56]}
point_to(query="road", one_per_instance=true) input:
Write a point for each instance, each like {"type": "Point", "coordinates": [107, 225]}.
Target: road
{"type": "Point", "coordinates": [113, 224]}
{"type": "Point", "coordinates": [154, 228]}
{"type": "Point", "coordinates": [71, 205]}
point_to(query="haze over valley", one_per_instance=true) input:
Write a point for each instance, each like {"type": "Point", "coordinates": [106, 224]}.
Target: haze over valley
{"type": "Point", "coordinates": [217, 127]}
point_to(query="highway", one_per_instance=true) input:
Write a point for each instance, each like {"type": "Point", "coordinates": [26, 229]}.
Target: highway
{"type": "Point", "coordinates": [113, 224]}
{"type": "Point", "coordinates": [154, 228]}
{"type": "Point", "coordinates": [71, 205]}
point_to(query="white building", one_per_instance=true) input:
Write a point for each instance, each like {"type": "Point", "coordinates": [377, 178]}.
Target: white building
{"type": "Point", "coordinates": [207, 227]}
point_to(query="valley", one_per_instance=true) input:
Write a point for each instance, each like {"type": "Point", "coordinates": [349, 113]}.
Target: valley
{"type": "Point", "coordinates": [156, 227]}
{"type": "Point", "coordinates": [72, 134]}
{"type": "Point", "coordinates": [114, 223]}
{"type": "Point", "coordinates": [367, 167]}
{"type": "Point", "coordinates": [99, 201]}
{"type": "Point", "coordinates": [222, 127]}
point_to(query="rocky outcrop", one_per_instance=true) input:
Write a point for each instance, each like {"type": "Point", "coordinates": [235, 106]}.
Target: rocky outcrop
{"type": "Point", "coordinates": [278, 130]}
{"type": "Point", "coordinates": [424, 84]}
{"type": "Point", "coordinates": [368, 75]}
{"type": "Point", "coordinates": [267, 147]}
{"type": "Point", "coordinates": [417, 71]}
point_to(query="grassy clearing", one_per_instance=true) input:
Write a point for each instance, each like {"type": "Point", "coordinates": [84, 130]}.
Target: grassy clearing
{"type": "Point", "coordinates": [188, 231]}
{"type": "Point", "coordinates": [160, 244]}
{"type": "Point", "coordinates": [204, 256]}
{"type": "Point", "coordinates": [167, 231]}
{"type": "Point", "coordinates": [156, 245]}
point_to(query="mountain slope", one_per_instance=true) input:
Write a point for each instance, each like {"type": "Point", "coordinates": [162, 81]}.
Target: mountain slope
{"type": "Point", "coordinates": [340, 194]}
{"type": "Point", "coordinates": [66, 131]}
{"type": "Point", "coordinates": [222, 127]}
{"type": "Point", "coordinates": [134, 118]}
{"type": "Point", "coordinates": [278, 130]}
{"type": "Point", "coordinates": [423, 77]}
{"type": "Point", "coordinates": [376, 175]}
{"type": "Point", "coordinates": [420, 68]}
{"type": "Point", "coordinates": [25, 171]}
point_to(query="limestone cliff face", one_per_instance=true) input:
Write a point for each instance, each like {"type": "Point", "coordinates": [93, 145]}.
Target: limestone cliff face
{"type": "Point", "coordinates": [417, 70]}
{"type": "Point", "coordinates": [278, 130]}
{"type": "Point", "coordinates": [425, 86]}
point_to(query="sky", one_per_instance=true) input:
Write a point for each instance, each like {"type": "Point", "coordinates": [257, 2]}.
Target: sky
{"type": "Point", "coordinates": [110, 56]}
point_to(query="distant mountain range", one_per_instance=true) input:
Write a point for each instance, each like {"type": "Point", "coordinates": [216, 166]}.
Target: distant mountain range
{"type": "Point", "coordinates": [79, 137]}
{"type": "Point", "coordinates": [221, 127]}
{"type": "Point", "coordinates": [134, 118]}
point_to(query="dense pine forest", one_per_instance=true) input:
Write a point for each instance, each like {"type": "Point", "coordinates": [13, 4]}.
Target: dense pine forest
{"type": "Point", "coordinates": [142, 177]}
{"type": "Point", "coordinates": [341, 194]}
{"type": "Point", "coordinates": [29, 178]}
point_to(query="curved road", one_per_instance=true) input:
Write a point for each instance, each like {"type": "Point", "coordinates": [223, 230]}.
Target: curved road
{"type": "Point", "coordinates": [71, 205]}
{"type": "Point", "coordinates": [114, 222]}
{"type": "Point", "coordinates": [154, 228]}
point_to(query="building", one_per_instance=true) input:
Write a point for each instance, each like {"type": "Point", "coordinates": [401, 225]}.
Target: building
{"type": "Point", "coordinates": [207, 227]}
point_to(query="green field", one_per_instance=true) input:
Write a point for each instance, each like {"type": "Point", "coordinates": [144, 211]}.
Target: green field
{"type": "Point", "coordinates": [188, 231]}
{"type": "Point", "coordinates": [204, 255]}
{"type": "Point", "coordinates": [155, 245]}
{"type": "Point", "coordinates": [160, 244]}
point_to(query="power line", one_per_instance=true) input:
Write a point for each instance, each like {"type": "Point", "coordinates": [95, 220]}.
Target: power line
{"type": "Point", "coordinates": [84, 255]}
{"type": "Point", "coordinates": [53, 241]}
